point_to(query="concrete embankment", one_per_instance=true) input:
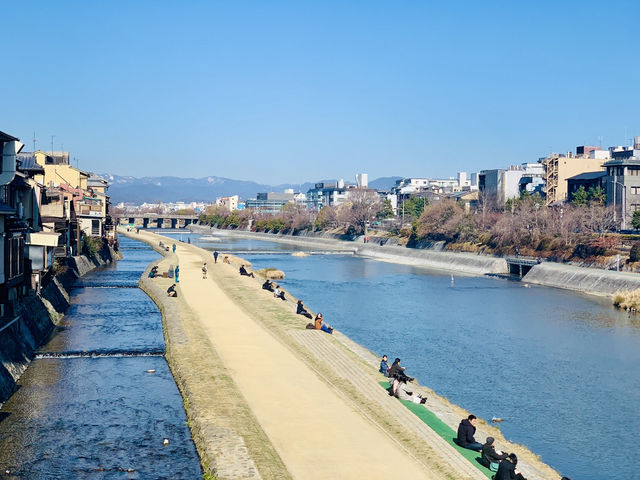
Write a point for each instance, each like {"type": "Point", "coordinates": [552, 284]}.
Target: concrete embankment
{"type": "Point", "coordinates": [35, 317]}
{"type": "Point", "coordinates": [468, 263]}
{"type": "Point", "coordinates": [587, 280]}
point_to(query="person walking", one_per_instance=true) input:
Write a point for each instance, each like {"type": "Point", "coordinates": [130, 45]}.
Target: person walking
{"type": "Point", "coordinates": [204, 270]}
{"type": "Point", "coordinates": [215, 256]}
{"type": "Point", "coordinates": [174, 248]}
{"type": "Point", "coordinates": [177, 273]}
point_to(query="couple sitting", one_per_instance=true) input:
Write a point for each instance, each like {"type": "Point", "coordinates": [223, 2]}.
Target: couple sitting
{"type": "Point", "coordinates": [273, 287]}
{"type": "Point", "coordinates": [398, 382]}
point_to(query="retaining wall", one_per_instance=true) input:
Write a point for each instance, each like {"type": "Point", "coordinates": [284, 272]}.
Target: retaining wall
{"type": "Point", "coordinates": [587, 280]}
{"type": "Point", "coordinates": [36, 316]}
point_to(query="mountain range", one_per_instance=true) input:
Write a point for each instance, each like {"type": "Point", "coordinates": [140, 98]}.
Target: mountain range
{"type": "Point", "coordinates": [207, 189]}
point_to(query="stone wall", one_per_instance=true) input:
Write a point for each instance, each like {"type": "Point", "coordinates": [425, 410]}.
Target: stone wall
{"type": "Point", "coordinates": [35, 318]}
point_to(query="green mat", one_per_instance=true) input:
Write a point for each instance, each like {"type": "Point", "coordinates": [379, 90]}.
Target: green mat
{"type": "Point", "coordinates": [442, 429]}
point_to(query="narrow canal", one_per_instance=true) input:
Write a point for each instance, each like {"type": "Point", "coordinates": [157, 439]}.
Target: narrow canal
{"type": "Point", "coordinates": [561, 369]}
{"type": "Point", "coordinates": [99, 400]}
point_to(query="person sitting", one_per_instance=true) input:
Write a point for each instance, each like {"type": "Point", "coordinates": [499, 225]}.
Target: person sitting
{"type": "Point", "coordinates": [490, 457]}
{"type": "Point", "coordinates": [153, 272]}
{"type": "Point", "coordinates": [507, 469]}
{"type": "Point", "coordinates": [320, 326]}
{"type": "Point", "coordinates": [384, 368]}
{"type": "Point", "coordinates": [392, 374]}
{"type": "Point", "coordinates": [226, 260]}
{"type": "Point", "coordinates": [171, 291]}
{"type": "Point", "coordinates": [300, 310]}
{"type": "Point", "coordinates": [466, 430]}
{"type": "Point", "coordinates": [268, 285]}
{"type": "Point", "coordinates": [243, 271]}
{"type": "Point", "coordinates": [278, 293]}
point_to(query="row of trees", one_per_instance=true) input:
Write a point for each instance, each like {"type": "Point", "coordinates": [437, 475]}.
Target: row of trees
{"type": "Point", "coordinates": [577, 228]}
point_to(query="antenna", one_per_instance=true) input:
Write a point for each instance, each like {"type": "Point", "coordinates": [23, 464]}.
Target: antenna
{"type": "Point", "coordinates": [34, 141]}
{"type": "Point", "coordinates": [600, 140]}
{"type": "Point", "coordinates": [52, 137]}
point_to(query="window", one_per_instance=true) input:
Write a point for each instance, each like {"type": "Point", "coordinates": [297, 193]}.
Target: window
{"type": "Point", "coordinates": [95, 227]}
{"type": "Point", "coordinates": [14, 260]}
{"type": "Point", "coordinates": [635, 171]}
{"type": "Point", "coordinates": [635, 190]}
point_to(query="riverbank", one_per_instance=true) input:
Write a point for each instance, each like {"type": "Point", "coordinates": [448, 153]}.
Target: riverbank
{"type": "Point", "coordinates": [36, 316]}
{"type": "Point", "coordinates": [245, 323]}
{"type": "Point", "coordinates": [591, 281]}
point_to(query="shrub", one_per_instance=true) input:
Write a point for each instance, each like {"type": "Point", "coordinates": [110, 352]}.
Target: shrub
{"type": "Point", "coordinates": [634, 254]}
{"type": "Point", "coordinates": [91, 246]}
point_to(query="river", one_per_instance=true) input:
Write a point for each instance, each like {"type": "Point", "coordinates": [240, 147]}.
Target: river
{"type": "Point", "coordinates": [99, 400]}
{"type": "Point", "coordinates": [562, 369]}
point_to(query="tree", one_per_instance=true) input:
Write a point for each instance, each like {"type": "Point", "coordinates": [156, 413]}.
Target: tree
{"type": "Point", "coordinates": [413, 207]}
{"type": "Point", "coordinates": [580, 196]}
{"type": "Point", "coordinates": [362, 207]}
{"type": "Point", "coordinates": [386, 211]}
{"type": "Point", "coordinates": [327, 218]}
{"type": "Point", "coordinates": [635, 221]}
{"type": "Point", "coordinates": [597, 195]}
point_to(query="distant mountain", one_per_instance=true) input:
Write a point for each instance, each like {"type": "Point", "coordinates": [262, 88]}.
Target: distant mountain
{"type": "Point", "coordinates": [206, 189]}
{"type": "Point", "coordinates": [384, 183]}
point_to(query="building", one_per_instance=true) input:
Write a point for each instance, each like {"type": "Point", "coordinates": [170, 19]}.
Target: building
{"type": "Point", "coordinates": [496, 186]}
{"type": "Point", "coordinates": [559, 167]}
{"type": "Point", "coordinates": [228, 203]}
{"type": "Point", "coordinates": [362, 180]}
{"type": "Point", "coordinates": [327, 194]}
{"type": "Point", "coordinates": [623, 182]}
{"type": "Point", "coordinates": [270, 202]}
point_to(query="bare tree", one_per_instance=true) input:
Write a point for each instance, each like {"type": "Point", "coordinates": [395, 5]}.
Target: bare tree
{"type": "Point", "coordinates": [362, 207]}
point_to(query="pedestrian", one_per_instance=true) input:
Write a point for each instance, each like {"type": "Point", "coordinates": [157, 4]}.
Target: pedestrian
{"type": "Point", "coordinates": [215, 256]}
{"type": "Point", "coordinates": [177, 273]}
{"type": "Point", "coordinates": [204, 270]}
{"type": "Point", "coordinates": [174, 248]}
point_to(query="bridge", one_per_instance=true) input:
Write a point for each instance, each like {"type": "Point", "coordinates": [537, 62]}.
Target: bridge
{"type": "Point", "coordinates": [157, 220]}
{"type": "Point", "coordinates": [521, 265]}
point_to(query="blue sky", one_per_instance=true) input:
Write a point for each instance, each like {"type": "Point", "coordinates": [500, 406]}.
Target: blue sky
{"type": "Point", "coordinates": [277, 91]}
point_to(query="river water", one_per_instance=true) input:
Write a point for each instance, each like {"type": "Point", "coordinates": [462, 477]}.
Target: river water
{"type": "Point", "coordinates": [561, 369]}
{"type": "Point", "coordinates": [99, 399]}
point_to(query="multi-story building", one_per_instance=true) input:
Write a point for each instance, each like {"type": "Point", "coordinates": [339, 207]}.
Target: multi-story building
{"type": "Point", "coordinates": [499, 185]}
{"type": "Point", "coordinates": [272, 202]}
{"type": "Point", "coordinates": [623, 182]}
{"type": "Point", "coordinates": [228, 203]}
{"type": "Point", "coordinates": [327, 194]}
{"type": "Point", "coordinates": [559, 167]}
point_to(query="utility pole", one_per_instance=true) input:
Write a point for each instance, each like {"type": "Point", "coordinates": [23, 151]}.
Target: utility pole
{"type": "Point", "coordinates": [34, 141]}
{"type": "Point", "coordinates": [52, 137]}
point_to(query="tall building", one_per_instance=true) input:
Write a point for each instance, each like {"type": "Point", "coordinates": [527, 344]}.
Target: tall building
{"type": "Point", "coordinates": [560, 167]}
{"type": "Point", "coordinates": [622, 182]}
{"type": "Point", "coordinates": [499, 185]}
{"type": "Point", "coordinates": [362, 180]}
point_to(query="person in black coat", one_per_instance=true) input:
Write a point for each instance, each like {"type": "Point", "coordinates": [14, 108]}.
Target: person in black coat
{"type": "Point", "coordinates": [489, 455]}
{"type": "Point", "coordinates": [507, 469]}
{"type": "Point", "coordinates": [466, 431]}
{"type": "Point", "coordinates": [300, 310]}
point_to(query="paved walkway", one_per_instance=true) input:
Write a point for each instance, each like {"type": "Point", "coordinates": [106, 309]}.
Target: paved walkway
{"type": "Point", "coordinates": [317, 433]}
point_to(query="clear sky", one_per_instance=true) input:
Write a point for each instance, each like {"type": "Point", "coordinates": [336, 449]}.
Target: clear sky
{"type": "Point", "coordinates": [277, 91]}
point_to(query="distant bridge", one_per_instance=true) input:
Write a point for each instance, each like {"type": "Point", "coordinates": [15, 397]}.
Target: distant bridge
{"type": "Point", "coordinates": [158, 220]}
{"type": "Point", "coordinates": [521, 265]}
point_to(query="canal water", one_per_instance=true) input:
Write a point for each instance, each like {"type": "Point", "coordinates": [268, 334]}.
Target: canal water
{"type": "Point", "coordinates": [561, 369]}
{"type": "Point", "coordinates": [99, 399]}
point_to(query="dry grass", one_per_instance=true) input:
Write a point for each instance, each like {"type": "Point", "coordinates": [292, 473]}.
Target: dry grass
{"type": "Point", "coordinates": [627, 300]}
